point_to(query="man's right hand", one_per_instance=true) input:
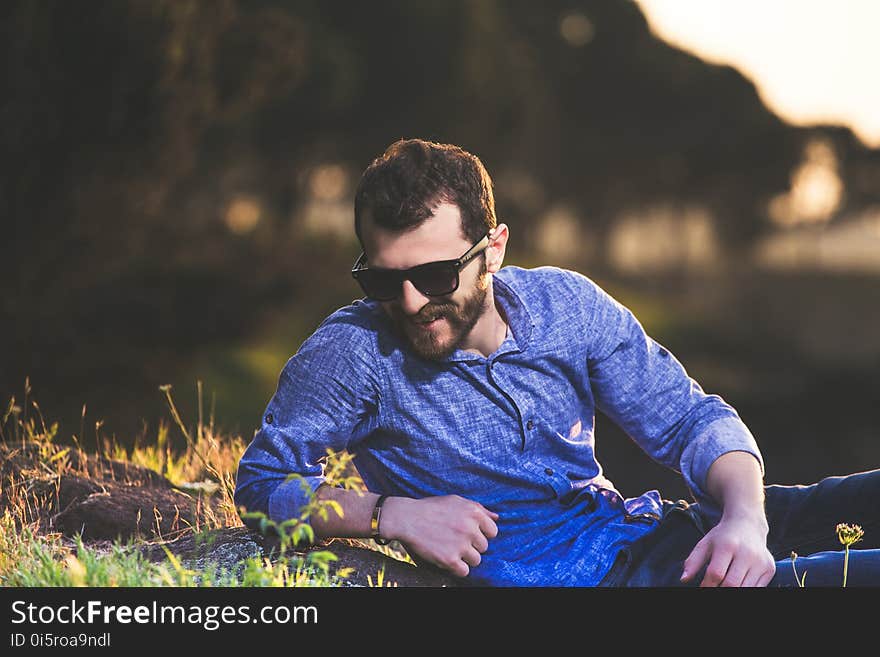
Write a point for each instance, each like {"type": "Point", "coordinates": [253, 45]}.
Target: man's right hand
{"type": "Point", "coordinates": [449, 531]}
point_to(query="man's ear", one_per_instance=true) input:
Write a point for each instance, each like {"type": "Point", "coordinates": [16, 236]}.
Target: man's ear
{"type": "Point", "coordinates": [497, 246]}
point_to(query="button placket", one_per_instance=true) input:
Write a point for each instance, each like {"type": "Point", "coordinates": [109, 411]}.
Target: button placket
{"type": "Point", "coordinates": [494, 379]}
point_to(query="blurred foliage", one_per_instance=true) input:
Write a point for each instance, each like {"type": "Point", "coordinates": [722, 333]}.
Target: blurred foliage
{"type": "Point", "coordinates": [131, 128]}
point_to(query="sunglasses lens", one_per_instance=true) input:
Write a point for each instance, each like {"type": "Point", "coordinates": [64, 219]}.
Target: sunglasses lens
{"type": "Point", "coordinates": [379, 285]}
{"type": "Point", "coordinates": [435, 280]}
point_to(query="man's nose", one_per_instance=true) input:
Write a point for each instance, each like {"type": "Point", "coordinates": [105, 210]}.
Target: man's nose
{"type": "Point", "coordinates": [411, 300]}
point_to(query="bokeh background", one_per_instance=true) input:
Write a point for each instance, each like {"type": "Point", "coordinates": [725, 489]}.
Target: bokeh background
{"type": "Point", "coordinates": [178, 175]}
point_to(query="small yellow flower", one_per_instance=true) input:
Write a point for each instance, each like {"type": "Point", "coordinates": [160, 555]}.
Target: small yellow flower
{"type": "Point", "coordinates": [849, 534]}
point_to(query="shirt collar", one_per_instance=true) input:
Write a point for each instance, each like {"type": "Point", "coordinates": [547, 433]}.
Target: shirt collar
{"type": "Point", "coordinates": [519, 323]}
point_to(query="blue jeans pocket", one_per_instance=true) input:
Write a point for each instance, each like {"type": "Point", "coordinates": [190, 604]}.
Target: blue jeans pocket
{"type": "Point", "coordinates": [657, 558]}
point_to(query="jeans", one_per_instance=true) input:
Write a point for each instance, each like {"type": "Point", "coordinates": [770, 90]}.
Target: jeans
{"type": "Point", "coordinates": [802, 519]}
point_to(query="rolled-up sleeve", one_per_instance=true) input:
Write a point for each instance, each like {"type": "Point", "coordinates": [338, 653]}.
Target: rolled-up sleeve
{"type": "Point", "coordinates": [326, 398]}
{"type": "Point", "coordinates": [646, 391]}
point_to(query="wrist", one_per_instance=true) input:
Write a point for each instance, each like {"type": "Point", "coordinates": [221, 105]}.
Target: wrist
{"type": "Point", "coordinates": [390, 526]}
{"type": "Point", "coordinates": [376, 520]}
{"type": "Point", "coordinates": [750, 515]}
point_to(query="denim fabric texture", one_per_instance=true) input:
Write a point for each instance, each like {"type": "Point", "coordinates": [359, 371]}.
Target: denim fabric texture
{"type": "Point", "coordinates": [802, 519]}
{"type": "Point", "coordinates": [514, 431]}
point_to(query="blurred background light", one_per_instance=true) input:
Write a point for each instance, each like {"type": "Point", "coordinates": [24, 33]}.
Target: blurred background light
{"type": "Point", "coordinates": [576, 29]}
{"type": "Point", "coordinates": [243, 214]}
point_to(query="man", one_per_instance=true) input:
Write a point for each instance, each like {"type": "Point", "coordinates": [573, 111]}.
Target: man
{"type": "Point", "coordinates": [467, 393]}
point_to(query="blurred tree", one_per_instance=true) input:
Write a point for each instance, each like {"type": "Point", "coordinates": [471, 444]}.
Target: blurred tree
{"type": "Point", "coordinates": [115, 263]}
{"type": "Point", "coordinates": [157, 155]}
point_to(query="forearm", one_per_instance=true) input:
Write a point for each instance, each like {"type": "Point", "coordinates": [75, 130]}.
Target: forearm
{"type": "Point", "coordinates": [734, 480]}
{"type": "Point", "coordinates": [357, 512]}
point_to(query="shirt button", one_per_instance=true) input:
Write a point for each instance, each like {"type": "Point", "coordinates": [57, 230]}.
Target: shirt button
{"type": "Point", "coordinates": [530, 425]}
{"type": "Point", "coordinates": [269, 418]}
{"type": "Point", "coordinates": [548, 472]}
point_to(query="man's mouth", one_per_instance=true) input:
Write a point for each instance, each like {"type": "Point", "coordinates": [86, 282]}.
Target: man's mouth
{"type": "Point", "coordinates": [430, 323]}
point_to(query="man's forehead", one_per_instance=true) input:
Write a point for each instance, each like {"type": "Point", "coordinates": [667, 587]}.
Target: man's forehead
{"type": "Point", "coordinates": [439, 237]}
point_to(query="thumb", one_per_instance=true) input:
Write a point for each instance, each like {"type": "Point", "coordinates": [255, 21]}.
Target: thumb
{"type": "Point", "coordinates": [697, 558]}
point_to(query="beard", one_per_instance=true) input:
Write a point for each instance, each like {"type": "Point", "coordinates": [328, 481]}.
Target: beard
{"type": "Point", "coordinates": [457, 321]}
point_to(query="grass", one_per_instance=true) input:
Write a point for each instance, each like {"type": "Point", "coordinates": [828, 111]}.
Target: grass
{"type": "Point", "coordinates": [33, 555]}
{"type": "Point", "coordinates": [30, 559]}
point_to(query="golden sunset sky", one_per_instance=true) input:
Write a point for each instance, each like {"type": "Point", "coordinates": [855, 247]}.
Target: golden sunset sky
{"type": "Point", "coordinates": [813, 61]}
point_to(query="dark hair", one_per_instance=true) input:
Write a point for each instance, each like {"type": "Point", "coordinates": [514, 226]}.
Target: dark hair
{"type": "Point", "coordinates": [402, 187]}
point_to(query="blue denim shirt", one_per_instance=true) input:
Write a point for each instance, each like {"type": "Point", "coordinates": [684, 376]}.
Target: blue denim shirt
{"type": "Point", "coordinates": [514, 431]}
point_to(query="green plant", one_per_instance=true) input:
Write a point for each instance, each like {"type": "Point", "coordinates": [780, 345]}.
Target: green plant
{"type": "Point", "coordinates": [338, 471]}
{"type": "Point", "coordinates": [848, 535]}
{"type": "Point", "coordinates": [803, 577]}
{"type": "Point", "coordinates": [297, 530]}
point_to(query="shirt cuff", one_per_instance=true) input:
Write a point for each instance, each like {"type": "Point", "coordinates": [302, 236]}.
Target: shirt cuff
{"type": "Point", "coordinates": [289, 498]}
{"type": "Point", "coordinates": [729, 434]}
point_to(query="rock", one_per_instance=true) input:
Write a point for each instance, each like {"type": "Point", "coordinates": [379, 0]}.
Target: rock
{"type": "Point", "coordinates": [124, 511]}
{"type": "Point", "coordinates": [226, 549]}
{"type": "Point", "coordinates": [74, 493]}
{"type": "Point", "coordinates": [73, 489]}
{"type": "Point", "coordinates": [369, 562]}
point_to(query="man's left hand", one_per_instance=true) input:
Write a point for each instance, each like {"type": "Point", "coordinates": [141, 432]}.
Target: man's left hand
{"type": "Point", "coordinates": [737, 554]}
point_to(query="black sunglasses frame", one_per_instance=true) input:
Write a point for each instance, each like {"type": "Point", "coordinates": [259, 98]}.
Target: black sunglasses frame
{"type": "Point", "coordinates": [402, 275]}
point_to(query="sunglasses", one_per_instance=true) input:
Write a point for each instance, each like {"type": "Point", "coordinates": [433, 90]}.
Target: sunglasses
{"type": "Point", "coordinates": [433, 279]}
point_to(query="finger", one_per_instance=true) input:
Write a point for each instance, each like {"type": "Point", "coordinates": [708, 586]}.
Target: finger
{"type": "Point", "coordinates": [459, 568]}
{"type": "Point", "coordinates": [753, 577]}
{"type": "Point", "coordinates": [456, 567]}
{"type": "Point", "coordinates": [736, 573]}
{"type": "Point", "coordinates": [471, 557]}
{"type": "Point", "coordinates": [492, 514]}
{"type": "Point", "coordinates": [716, 571]}
{"type": "Point", "coordinates": [698, 556]}
{"type": "Point", "coordinates": [767, 577]}
{"type": "Point", "coordinates": [766, 574]}
{"type": "Point", "coordinates": [488, 526]}
{"type": "Point", "coordinates": [480, 543]}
